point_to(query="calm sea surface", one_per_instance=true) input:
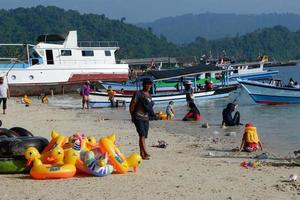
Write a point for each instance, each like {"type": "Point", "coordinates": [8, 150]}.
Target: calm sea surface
{"type": "Point", "coordinates": [278, 126]}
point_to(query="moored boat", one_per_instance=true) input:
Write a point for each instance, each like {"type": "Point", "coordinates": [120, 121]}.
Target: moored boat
{"type": "Point", "coordinates": [100, 99]}
{"type": "Point", "coordinates": [273, 92]}
{"type": "Point", "coordinates": [215, 74]}
{"type": "Point", "coordinates": [59, 64]}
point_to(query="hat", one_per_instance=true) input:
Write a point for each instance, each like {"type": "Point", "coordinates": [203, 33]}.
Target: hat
{"type": "Point", "coordinates": [188, 82]}
{"type": "Point", "coordinates": [171, 102]}
{"type": "Point", "coordinates": [147, 81]}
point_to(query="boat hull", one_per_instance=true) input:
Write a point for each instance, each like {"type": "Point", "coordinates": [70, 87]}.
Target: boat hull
{"type": "Point", "coordinates": [269, 94]}
{"type": "Point", "coordinates": [72, 85]}
{"type": "Point", "coordinates": [100, 99]}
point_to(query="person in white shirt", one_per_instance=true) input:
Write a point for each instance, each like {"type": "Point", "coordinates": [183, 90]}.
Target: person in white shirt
{"type": "Point", "coordinates": [4, 93]}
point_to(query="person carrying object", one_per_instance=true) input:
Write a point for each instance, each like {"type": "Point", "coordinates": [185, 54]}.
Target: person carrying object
{"type": "Point", "coordinates": [141, 110]}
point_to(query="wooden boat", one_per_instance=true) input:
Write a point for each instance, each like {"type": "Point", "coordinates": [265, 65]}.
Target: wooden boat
{"type": "Point", "coordinates": [272, 92]}
{"type": "Point", "coordinates": [100, 99]}
{"type": "Point", "coordinates": [199, 74]}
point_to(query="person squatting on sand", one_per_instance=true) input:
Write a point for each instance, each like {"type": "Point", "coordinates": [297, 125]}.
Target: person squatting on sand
{"type": "Point", "coordinates": [4, 94]}
{"type": "Point", "coordinates": [193, 114]}
{"type": "Point", "coordinates": [141, 110]}
{"type": "Point", "coordinates": [250, 140]}
{"type": "Point", "coordinates": [227, 115]}
{"type": "Point", "coordinates": [85, 93]}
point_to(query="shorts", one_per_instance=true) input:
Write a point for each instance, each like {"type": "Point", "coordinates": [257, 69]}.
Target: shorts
{"type": "Point", "coordinates": [142, 127]}
{"type": "Point", "coordinates": [251, 147]}
{"type": "Point", "coordinates": [4, 102]}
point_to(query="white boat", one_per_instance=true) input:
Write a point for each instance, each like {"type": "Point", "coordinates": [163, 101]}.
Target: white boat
{"type": "Point", "coordinates": [100, 99]}
{"type": "Point", "coordinates": [61, 67]}
{"type": "Point", "coordinates": [272, 92]}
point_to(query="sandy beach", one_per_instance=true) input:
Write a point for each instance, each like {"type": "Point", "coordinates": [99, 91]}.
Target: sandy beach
{"type": "Point", "coordinates": [197, 164]}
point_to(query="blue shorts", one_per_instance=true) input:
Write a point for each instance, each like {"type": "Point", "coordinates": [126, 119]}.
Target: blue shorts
{"type": "Point", "coordinates": [142, 127]}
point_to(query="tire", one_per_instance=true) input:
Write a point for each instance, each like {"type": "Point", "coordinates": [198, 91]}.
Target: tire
{"type": "Point", "coordinates": [22, 132]}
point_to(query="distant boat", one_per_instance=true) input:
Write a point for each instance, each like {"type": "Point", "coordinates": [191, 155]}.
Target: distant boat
{"type": "Point", "coordinates": [100, 99]}
{"type": "Point", "coordinates": [273, 92]}
{"type": "Point", "coordinates": [59, 63]}
{"type": "Point", "coordinates": [212, 73]}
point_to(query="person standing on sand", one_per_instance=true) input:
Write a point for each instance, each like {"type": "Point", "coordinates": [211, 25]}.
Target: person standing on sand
{"type": "Point", "coordinates": [4, 93]}
{"type": "Point", "coordinates": [85, 93]}
{"type": "Point", "coordinates": [141, 110]}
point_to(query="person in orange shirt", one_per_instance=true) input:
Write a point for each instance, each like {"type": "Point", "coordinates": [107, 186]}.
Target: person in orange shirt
{"type": "Point", "coordinates": [250, 141]}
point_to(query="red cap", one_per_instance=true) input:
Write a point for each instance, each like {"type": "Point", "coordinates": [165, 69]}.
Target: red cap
{"type": "Point", "coordinates": [249, 124]}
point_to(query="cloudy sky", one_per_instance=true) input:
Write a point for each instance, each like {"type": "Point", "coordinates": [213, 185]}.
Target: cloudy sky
{"type": "Point", "coordinates": [149, 10]}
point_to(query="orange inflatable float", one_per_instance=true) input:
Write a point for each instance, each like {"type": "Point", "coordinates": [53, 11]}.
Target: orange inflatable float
{"type": "Point", "coordinates": [118, 160]}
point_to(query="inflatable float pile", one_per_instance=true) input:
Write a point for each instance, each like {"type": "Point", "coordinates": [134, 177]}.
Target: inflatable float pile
{"type": "Point", "coordinates": [13, 143]}
{"type": "Point", "coordinates": [63, 157]}
{"type": "Point", "coordinates": [104, 159]}
{"type": "Point", "coordinates": [54, 162]}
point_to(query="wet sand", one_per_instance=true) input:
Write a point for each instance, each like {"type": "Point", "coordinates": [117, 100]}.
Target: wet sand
{"type": "Point", "coordinates": [197, 164]}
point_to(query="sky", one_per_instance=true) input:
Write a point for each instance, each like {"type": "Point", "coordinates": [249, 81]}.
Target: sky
{"type": "Point", "coordinates": [149, 10]}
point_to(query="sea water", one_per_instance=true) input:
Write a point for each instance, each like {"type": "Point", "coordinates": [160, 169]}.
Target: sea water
{"type": "Point", "coordinates": [278, 125]}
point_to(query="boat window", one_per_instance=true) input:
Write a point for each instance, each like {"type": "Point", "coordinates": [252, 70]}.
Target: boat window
{"type": "Point", "coordinates": [253, 66]}
{"type": "Point", "coordinates": [107, 53]}
{"type": "Point", "coordinates": [49, 56]}
{"type": "Point", "coordinates": [207, 75]}
{"type": "Point", "coordinates": [66, 52]}
{"type": "Point", "coordinates": [87, 53]}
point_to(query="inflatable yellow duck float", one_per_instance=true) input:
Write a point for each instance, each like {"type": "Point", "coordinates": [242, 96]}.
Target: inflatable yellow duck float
{"type": "Point", "coordinates": [58, 140]}
{"type": "Point", "coordinates": [120, 163]}
{"type": "Point", "coordinates": [66, 169]}
{"type": "Point", "coordinates": [26, 100]}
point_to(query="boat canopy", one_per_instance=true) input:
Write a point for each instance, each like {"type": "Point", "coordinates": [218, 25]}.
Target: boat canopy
{"type": "Point", "coordinates": [52, 37]}
{"type": "Point", "coordinates": [177, 73]}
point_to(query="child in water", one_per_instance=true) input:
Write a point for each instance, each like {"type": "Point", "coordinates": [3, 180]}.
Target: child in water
{"type": "Point", "coordinates": [250, 141]}
{"type": "Point", "coordinates": [170, 110]}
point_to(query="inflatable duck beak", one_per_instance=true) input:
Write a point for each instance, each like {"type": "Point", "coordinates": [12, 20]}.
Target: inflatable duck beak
{"type": "Point", "coordinates": [135, 169]}
{"type": "Point", "coordinates": [50, 158]}
{"type": "Point", "coordinates": [91, 145]}
{"type": "Point", "coordinates": [29, 161]}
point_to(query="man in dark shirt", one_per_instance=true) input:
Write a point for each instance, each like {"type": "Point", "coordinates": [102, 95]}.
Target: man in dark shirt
{"type": "Point", "coordinates": [141, 110]}
{"type": "Point", "coordinates": [227, 115]}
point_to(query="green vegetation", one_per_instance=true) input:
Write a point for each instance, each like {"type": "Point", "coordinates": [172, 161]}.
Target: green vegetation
{"type": "Point", "coordinates": [25, 24]}
{"type": "Point", "coordinates": [277, 42]}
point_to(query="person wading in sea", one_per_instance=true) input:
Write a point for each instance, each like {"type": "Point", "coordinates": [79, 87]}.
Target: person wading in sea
{"type": "Point", "coordinates": [141, 110]}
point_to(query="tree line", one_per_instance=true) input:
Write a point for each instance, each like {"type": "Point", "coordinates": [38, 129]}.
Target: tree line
{"type": "Point", "coordinates": [24, 25]}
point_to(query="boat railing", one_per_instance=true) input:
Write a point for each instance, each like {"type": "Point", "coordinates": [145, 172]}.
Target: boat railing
{"type": "Point", "coordinates": [91, 61]}
{"type": "Point", "coordinates": [98, 44]}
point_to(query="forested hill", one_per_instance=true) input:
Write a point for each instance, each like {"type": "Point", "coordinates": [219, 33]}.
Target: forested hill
{"type": "Point", "coordinates": [185, 28]}
{"type": "Point", "coordinates": [24, 25]}
{"type": "Point", "coordinates": [277, 42]}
